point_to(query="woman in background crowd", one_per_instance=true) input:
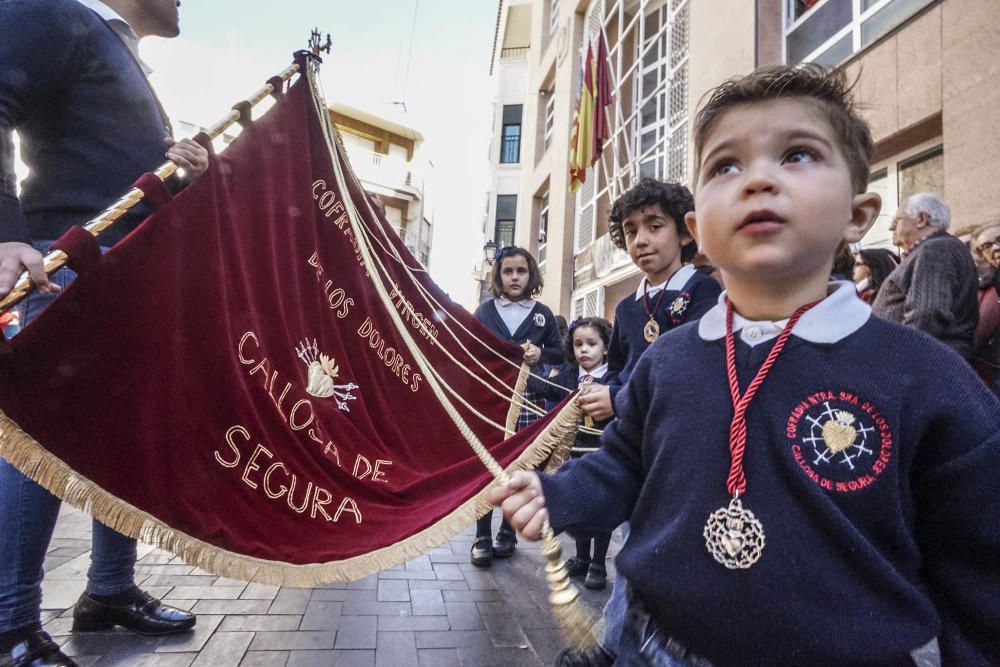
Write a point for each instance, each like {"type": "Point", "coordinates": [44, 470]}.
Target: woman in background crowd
{"type": "Point", "coordinates": [871, 267]}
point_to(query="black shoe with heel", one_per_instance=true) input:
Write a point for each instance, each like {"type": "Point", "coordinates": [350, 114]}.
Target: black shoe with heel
{"type": "Point", "coordinates": [139, 612]}
{"type": "Point", "coordinates": [36, 649]}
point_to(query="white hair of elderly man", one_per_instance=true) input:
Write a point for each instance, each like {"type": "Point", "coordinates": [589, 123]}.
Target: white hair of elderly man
{"type": "Point", "coordinates": [937, 211]}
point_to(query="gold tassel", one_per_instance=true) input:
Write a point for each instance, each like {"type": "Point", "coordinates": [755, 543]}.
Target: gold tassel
{"type": "Point", "coordinates": [576, 621]}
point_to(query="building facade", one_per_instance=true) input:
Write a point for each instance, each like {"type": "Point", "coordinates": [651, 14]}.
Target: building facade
{"type": "Point", "coordinates": [928, 80]}
{"type": "Point", "coordinates": [385, 156]}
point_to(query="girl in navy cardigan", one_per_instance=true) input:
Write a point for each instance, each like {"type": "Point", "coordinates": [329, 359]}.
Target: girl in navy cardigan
{"type": "Point", "coordinates": [586, 364]}
{"type": "Point", "coordinates": [513, 315]}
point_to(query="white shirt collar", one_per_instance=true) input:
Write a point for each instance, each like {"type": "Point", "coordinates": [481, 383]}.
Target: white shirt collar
{"type": "Point", "coordinates": [120, 26]}
{"type": "Point", "coordinates": [597, 373]}
{"type": "Point", "coordinates": [102, 10]}
{"type": "Point", "coordinates": [676, 282]}
{"type": "Point", "coordinates": [834, 318]}
{"type": "Point", "coordinates": [504, 302]}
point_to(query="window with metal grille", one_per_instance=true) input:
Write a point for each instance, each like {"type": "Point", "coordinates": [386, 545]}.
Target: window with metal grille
{"type": "Point", "coordinates": [510, 146]}
{"type": "Point", "coordinates": [553, 17]}
{"type": "Point", "coordinates": [506, 214]}
{"type": "Point", "coordinates": [585, 207]}
{"type": "Point", "coordinates": [661, 93]}
{"type": "Point", "coordinates": [589, 304]}
{"type": "Point", "coordinates": [830, 31]}
{"type": "Point", "coordinates": [550, 117]}
{"type": "Point", "coordinates": [543, 228]}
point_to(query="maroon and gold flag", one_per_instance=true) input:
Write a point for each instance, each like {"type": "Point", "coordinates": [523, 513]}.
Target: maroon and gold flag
{"type": "Point", "coordinates": [262, 379]}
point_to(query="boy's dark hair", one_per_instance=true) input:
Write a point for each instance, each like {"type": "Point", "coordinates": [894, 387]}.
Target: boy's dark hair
{"type": "Point", "coordinates": [602, 326]}
{"type": "Point", "coordinates": [880, 263]}
{"type": "Point", "coordinates": [675, 200]}
{"type": "Point", "coordinates": [829, 88]}
{"type": "Point", "coordinates": [535, 283]}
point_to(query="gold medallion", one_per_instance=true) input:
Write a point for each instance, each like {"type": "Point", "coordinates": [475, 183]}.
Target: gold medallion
{"type": "Point", "coordinates": [651, 331]}
{"type": "Point", "coordinates": [734, 536]}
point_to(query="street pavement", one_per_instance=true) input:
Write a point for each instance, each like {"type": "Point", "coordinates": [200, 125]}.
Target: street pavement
{"type": "Point", "coordinates": [437, 609]}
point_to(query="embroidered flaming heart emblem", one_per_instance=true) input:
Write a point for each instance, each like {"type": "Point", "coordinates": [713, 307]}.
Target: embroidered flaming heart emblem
{"type": "Point", "coordinates": [839, 433]}
{"type": "Point", "coordinates": [322, 374]}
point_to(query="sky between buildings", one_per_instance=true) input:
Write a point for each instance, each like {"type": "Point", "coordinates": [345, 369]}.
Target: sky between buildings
{"type": "Point", "coordinates": [229, 48]}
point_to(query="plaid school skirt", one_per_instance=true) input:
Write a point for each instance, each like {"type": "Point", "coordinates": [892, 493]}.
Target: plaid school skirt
{"type": "Point", "coordinates": [527, 417]}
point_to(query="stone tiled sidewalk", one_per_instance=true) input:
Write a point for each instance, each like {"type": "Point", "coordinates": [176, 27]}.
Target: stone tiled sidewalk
{"type": "Point", "coordinates": [437, 609]}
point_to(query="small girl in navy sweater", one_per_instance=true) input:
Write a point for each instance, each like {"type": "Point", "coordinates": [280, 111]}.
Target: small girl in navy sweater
{"type": "Point", "coordinates": [513, 315]}
{"type": "Point", "coordinates": [586, 364]}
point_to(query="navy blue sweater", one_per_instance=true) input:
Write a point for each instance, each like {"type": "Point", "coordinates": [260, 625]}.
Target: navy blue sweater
{"type": "Point", "coordinates": [559, 387]}
{"type": "Point", "coordinates": [87, 118]}
{"type": "Point", "coordinates": [870, 553]}
{"type": "Point", "coordinates": [539, 328]}
{"type": "Point", "coordinates": [627, 340]}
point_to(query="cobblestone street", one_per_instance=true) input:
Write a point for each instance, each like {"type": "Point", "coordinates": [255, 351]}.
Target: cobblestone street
{"type": "Point", "coordinates": [438, 610]}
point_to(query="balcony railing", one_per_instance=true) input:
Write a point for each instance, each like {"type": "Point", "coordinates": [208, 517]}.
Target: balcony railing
{"type": "Point", "coordinates": [382, 169]}
{"type": "Point", "coordinates": [514, 53]}
{"type": "Point", "coordinates": [510, 150]}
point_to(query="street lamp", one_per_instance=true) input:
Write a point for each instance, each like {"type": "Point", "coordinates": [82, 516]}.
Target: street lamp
{"type": "Point", "coordinates": [490, 251]}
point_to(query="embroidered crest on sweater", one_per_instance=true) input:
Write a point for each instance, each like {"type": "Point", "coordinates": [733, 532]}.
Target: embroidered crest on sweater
{"type": "Point", "coordinates": [539, 320]}
{"type": "Point", "coordinates": [678, 308]}
{"type": "Point", "coordinates": [841, 441]}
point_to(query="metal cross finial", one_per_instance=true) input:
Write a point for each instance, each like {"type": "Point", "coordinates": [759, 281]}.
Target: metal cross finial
{"type": "Point", "coordinates": [316, 43]}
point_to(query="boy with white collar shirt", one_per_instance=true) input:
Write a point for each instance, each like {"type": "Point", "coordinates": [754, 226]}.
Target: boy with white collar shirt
{"type": "Point", "coordinates": [647, 221]}
{"type": "Point", "coordinates": [822, 485]}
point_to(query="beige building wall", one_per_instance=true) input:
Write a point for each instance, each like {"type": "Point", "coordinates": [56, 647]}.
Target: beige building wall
{"type": "Point", "coordinates": [552, 70]}
{"type": "Point", "coordinates": [933, 79]}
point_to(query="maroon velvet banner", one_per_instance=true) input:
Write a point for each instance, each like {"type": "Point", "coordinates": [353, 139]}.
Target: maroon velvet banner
{"type": "Point", "coordinates": [262, 379]}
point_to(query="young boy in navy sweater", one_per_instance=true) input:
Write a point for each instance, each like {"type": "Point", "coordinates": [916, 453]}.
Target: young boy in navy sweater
{"type": "Point", "coordinates": [821, 489]}
{"type": "Point", "coordinates": [647, 221]}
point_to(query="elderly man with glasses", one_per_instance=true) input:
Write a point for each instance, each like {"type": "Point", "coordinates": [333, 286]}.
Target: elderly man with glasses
{"type": "Point", "coordinates": [986, 358]}
{"type": "Point", "coordinates": [935, 286]}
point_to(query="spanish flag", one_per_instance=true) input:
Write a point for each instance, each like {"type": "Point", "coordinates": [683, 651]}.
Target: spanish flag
{"type": "Point", "coordinates": [582, 137]}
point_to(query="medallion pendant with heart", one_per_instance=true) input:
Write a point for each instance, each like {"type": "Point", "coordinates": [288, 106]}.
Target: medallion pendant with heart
{"type": "Point", "coordinates": [734, 535]}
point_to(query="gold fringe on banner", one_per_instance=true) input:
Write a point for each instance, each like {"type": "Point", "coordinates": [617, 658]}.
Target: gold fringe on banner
{"type": "Point", "coordinates": [34, 461]}
{"type": "Point", "coordinates": [517, 399]}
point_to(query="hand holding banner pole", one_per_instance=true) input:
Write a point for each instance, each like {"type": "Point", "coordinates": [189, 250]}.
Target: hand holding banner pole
{"type": "Point", "coordinates": [57, 258]}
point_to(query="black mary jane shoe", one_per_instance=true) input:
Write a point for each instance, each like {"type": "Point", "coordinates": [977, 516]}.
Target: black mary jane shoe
{"type": "Point", "coordinates": [141, 613]}
{"type": "Point", "coordinates": [36, 650]}
{"type": "Point", "coordinates": [503, 545]}
{"type": "Point", "coordinates": [597, 577]}
{"type": "Point", "coordinates": [577, 567]}
{"type": "Point", "coordinates": [482, 552]}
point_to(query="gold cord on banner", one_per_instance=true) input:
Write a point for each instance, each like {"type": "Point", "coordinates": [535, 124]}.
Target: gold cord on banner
{"type": "Point", "coordinates": [576, 622]}
{"type": "Point", "coordinates": [109, 216]}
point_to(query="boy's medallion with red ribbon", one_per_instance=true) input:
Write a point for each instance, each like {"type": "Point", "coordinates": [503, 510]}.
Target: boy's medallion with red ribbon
{"type": "Point", "coordinates": [733, 535]}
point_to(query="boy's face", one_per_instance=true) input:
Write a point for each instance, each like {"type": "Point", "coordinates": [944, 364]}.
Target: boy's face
{"type": "Point", "coordinates": [774, 196]}
{"type": "Point", "coordinates": [652, 242]}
